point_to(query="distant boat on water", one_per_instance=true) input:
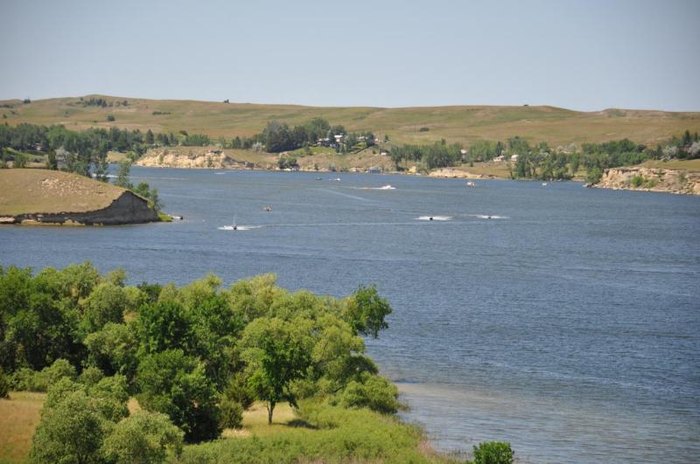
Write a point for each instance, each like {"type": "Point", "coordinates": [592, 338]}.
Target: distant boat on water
{"type": "Point", "coordinates": [471, 183]}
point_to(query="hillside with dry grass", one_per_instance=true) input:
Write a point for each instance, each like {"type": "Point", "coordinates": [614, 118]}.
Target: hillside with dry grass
{"type": "Point", "coordinates": [458, 124]}
{"type": "Point", "coordinates": [44, 191]}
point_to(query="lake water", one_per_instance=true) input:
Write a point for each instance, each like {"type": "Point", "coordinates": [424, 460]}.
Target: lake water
{"type": "Point", "coordinates": [562, 319]}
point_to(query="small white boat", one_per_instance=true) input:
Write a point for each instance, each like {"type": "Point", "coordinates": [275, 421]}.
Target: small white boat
{"type": "Point", "coordinates": [387, 187]}
{"type": "Point", "coordinates": [471, 184]}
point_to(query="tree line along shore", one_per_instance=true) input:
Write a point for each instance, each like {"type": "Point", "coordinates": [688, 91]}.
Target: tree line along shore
{"type": "Point", "coordinates": [200, 373]}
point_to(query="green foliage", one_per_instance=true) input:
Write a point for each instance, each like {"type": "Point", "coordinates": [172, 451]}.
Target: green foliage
{"type": "Point", "coordinates": [238, 391]}
{"type": "Point", "coordinates": [493, 452]}
{"type": "Point", "coordinates": [165, 325]}
{"type": "Point", "coordinates": [324, 434]}
{"type": "Point", "coordinates": [144, 438]}
{"type": "Point", "coordinates": [122, 179]}
{"type": "Point", "coordinates": [437, 155]}
{"type": "Point", "coordinates": [56, 371]}
{"type": "Point", "coordinates": [199, 354]}
{"type": "Point", "coordinates": [366, 311]}
{"type": "Point", "coordinates": [231, 414]}
{"type": "Point", "coordinates": [277, 352]}
{"type": "Point", "coordinates": [113, 349]}
{"type": "Point", "coordinates": [70, 431]}
{"type": "Point", "coordinates": [176, 384]}
{"type": "Point", "coordinates": [594, 175]}
{"type": "Point", "coordinates": [287, 162]}
{"type": "Point", "coordinates": [106, 303]}
{"type": "Point", "coordinates": [637, 181]}
{"type": "Point", "coordinates": [4, 384]}
{"type": "Point", "coordinates": [90, 376]}
{"type": "Point", "coordinates": [372, 392]}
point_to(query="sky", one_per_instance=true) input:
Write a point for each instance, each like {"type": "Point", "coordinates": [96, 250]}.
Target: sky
{"type": "Point", "coordinates": [585, 55]}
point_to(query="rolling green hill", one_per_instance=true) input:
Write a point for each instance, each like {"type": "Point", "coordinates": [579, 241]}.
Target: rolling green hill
{"type": "Point", "coordinates": [461, 124]}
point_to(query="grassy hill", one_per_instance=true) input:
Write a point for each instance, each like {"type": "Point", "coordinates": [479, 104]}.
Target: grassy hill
{"type": "Point", "coordinates": [462, 124]}
{"type": "Point", "coordinates": [44, 191]}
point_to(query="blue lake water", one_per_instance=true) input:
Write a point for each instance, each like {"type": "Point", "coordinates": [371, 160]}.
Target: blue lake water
{"type": "Point", "coordinates": [567, 323]}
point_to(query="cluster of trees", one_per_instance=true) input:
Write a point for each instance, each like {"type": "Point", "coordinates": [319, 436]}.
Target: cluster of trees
{"type": "Point", "coordinates": [102, 102]}
{"type": "Point", "coordinates": [85, 152]}
{"type": "Point", "coordinates": [547, 163]}
{"type": "Point", "coordinates": [437, 155]}
{"type": "Point", "coordinates": [142, 188]}
{"type": "Point", "coordinates": [198, 354]}
{"type": "Point", "coordinates": [278, 137]}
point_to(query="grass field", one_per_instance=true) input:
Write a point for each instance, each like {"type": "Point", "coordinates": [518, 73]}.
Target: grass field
{"type": "Point", "coordinates": [688, 165]}
{"type": "Point", "coordinates": [324, 434]}
{"type": "Point", "coordinates": [461, 124]}
{"type": "Point", "coordinates": [19, 416]}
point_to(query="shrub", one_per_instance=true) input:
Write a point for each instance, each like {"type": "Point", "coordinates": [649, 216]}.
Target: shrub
{"type": "Point", "coordinates": [230, 414]}
{"type": "Point", "coordinates": [25, 379]}
{"type": "Point", "coordinates": [493, 452]}
{"type": "Point", "coordinates": [375, 393]}
{"type": "Point", "coordinates": [637, 181]}
{"type": "Point", "coordinates": [143, 438]}
{"type": "Point", "coordinates": [56, 371]}
{"type": "Point", "coordinates": [71, 432]}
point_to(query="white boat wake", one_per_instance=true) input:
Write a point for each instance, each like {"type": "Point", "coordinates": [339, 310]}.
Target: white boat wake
{"type": "Point", "coordinates": [238, 228]}
{"type": "Point", "coordinates": [486, 216]}
{"type": "Point", "coordinates": [434, 218]}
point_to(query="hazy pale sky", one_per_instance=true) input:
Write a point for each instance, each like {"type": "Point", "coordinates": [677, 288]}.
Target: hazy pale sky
{"type": "Point", "coordinates": [578, 54]}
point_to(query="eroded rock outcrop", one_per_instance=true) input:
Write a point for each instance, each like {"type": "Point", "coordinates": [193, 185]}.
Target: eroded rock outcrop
{"type": "Point", "coordinates": [39, 196]}
{"type": "Point", "coordinates": [128, 208]}
{"type": "Point", "coordinates": [449, 173]}
{"type": "Point", "coordinates": [651, 179]}
{"type": "Point", "coordinates": [212, 159]}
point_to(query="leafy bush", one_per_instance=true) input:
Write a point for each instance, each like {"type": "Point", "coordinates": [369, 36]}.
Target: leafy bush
{"type": "Point", "coordinates": [493, 452]}
{"type": "Point", "coordinates": [71, 432]}
{"type": "Point", "coordinates": [56, 371]}
{"type": "Point", "coordinates": [143, 438]}
{"type": "Point", "coordinates": [374, 392]}
{"type": "Point", "coordinates": [637, 181]}
{"type": "Point", "coordinates": [25, 379]}
{"type": "Point", "coordinates": [230, 414]}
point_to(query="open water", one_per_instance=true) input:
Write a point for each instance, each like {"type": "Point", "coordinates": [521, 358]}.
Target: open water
{"type": "Point", "coordinates": [561, 319]}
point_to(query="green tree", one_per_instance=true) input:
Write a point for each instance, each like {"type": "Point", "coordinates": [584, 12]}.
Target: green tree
{"type": "Point", "coordinates": [366, 311]}
{"type": "Point", "coordinates": [144, 438]}
{"type": "Point", "coordinates": [106, 303]}
{"type": "Point", "coordinates": [70, 432]}
{"type": "Point", "coordinates": [176, 385]}
{"type": "Point", "coordinates": [372, 392]}
{"type": "Point", "coordinates": [493, 452]}
{"type": "Point", "coordinates": [113, 349]}
{"type": "Point", "coordinates": [165, 325]}
{"type": "Point", "coordinates": [277, 353]}
{"type": "Point", "coordinates": [231, 415]}
{"type": "Point", "coordinates": [277, 137]}
{"type": "Point", "coordinates": [122, 179]}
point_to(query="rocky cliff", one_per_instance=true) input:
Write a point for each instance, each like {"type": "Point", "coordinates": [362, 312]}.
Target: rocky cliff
{"type": "Point", "coordinates": [128, 208]}
{"type": "Point", "coordinates": [652, 180]}
{"type": "Point", "coordinates": [165, 158]}
{"type": "Point", "coordinates": [39, 196]}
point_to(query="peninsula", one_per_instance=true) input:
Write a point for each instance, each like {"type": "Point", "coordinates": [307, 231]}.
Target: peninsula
{"type": "Point", "coordinates": [40, 196]}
